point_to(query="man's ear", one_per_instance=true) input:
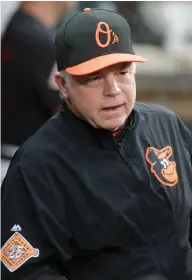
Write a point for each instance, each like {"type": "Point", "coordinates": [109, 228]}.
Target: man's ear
{"type": "Point", "coordinates": [62, 84]}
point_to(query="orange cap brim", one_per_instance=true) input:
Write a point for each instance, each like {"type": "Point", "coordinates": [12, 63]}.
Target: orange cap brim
{"type": "Point", "coordinates": [101, 62]}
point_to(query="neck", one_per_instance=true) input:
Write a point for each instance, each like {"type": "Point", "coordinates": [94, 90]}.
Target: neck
{"type": "Point", "coordinates": [47, 13]}
{"type": "Point", "coordinates": [67, 103]}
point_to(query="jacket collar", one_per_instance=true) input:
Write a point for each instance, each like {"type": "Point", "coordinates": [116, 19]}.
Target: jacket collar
{"type": "Point", "coordinates": [83, 131]}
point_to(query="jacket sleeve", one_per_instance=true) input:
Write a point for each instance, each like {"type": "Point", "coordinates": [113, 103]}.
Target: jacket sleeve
{"type": "Point", "coordinates": [187, 138]}
{"type": "Point", "coordinates": [190, 231]}
{"type": "Point", "coordinates": [35, 230]}
{"type": "Point", "coordinates": [186, 135]}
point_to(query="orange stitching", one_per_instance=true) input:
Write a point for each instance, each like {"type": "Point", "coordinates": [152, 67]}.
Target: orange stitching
{"type": "Point", "coordinates": [108, 33]}
{"type": "Point", "coordinates": [115, 39]}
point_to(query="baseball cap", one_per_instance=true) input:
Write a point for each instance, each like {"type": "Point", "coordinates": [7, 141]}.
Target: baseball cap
{"type": "Point", "coordinates": [94, 39]}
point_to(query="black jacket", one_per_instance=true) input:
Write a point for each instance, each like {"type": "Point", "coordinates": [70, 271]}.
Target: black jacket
{"type": "Point", "coordinates": [83, 203]}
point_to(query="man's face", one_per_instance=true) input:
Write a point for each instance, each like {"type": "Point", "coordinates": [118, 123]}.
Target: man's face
{"type": "Point", "coordinates": [104, 98]}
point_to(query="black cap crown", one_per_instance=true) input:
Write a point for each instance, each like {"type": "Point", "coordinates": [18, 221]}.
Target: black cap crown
{"type": "Point", "coordinates": [91, 34]}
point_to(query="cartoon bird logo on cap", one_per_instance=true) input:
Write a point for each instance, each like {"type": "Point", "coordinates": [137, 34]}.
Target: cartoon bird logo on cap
{"type": "Point", "coordinates": [161, 166]}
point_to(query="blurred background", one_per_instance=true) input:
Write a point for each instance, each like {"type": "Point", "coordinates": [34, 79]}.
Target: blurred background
{"type": "Point", "coordinates": [161, 32]}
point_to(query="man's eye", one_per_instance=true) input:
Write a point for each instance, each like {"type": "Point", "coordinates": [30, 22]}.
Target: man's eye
{"type": "Point", "coordinates": [94, 78]}
{"type": "Point", "coordinates": [123, 73]}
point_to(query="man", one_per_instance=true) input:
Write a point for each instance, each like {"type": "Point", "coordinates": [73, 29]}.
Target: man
{"type": "Point", "coordinates": [30, 95]}
{"type": "Point", "coordinates": [103, 190]}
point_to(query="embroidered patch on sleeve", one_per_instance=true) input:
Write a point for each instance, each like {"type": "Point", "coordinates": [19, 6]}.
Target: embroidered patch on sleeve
{"type": "Point", "coordinates": [16, 251]}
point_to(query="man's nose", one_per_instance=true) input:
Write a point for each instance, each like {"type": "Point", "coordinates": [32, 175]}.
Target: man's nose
{"type": "Point", "coordinates": [111, 86]}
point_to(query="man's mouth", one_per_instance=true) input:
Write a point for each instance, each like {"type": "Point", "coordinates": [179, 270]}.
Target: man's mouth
{"type": "Point", "coordinates": [112, 107]}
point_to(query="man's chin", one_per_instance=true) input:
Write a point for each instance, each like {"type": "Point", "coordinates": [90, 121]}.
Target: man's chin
{"type": "Point", "coordinates": [112, 125]}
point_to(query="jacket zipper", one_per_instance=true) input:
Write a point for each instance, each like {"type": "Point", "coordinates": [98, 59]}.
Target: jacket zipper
{"type": "Point", "coordinates": [127, 160]}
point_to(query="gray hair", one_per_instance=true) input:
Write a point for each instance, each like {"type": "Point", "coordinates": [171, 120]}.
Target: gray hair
{"type": "Point", "coordinates": [134, 67]}
{"type": "Point", "coordinates": [64, 74]}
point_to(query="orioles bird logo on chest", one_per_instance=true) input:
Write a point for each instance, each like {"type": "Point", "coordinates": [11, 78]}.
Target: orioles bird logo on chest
{"type": "Point", "coordinates": [163, 168]}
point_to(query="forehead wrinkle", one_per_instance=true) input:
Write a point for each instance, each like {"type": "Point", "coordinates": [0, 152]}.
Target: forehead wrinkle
{"type": "Point", "coordinates": [112, 68]}
{"type": "Point", "coordinates": [103, 72]}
